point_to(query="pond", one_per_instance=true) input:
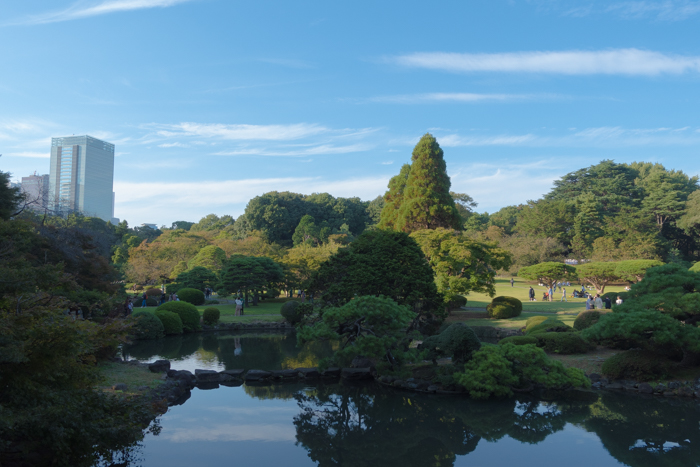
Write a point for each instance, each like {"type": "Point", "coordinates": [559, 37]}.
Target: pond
{"type": "Point", "coordinates": [343, 424]}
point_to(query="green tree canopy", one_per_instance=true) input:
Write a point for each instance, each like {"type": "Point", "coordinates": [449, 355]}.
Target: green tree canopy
{"type": "Point", "coordinates": [197, 278]}
{"type": "Point", "coordinates": [461, 264]}
{"type": "Point", "coordinates": [548, 273]}
{"type": "Point", "coordinates": [380, 262]}
{"type": "Point", "coordinates": [250, 273]}
{"type": "Point", "coordinates": [373, 327]}
{"type": "Point", "coordinates": [211, 257]}
{"type": "Point", "coordinates": [393, 199]}
{"type": "Point", "coordinates": [598, 274]}
{"type": "Point", "coordinates": [10, 197]}
{"type": "Point", "coordinates": [634, 270]}
{"type": "Point", "coordinates": [427, 203]}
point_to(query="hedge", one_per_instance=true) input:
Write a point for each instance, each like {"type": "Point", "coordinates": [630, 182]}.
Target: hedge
{"type": "Point", "coordinates": [512, 301]}
{"type": "Point", "coordinates": [640, 365]}
{"type": "Point", "coordinates": [586, 319]}
{"type": "Point", "coordinates": [548, 325]}
{"type": "Point", "coordinates": [211, 316]}
{"type": "Point", "coordinates": [188, 314]}
{"type": "Point", "coordinates": [518, 340]}
{"type": "Point", "coordinates": [172, 323]}
{"type": "Point", "coordinates": [564, 343]}
{"type": "Point", "coordinates": [193, 296]}
{"type": "Point", "coordinates": [148, 326]}
{"type": "Point", "coordinates": [290, 313]}
{"type": "Point", "coordinates": [501, 311]}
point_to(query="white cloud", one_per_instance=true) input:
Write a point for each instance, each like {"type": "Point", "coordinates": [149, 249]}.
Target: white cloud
{"type": "Point", "coordinates": [666, 10]}
{"type": "Point", "coordinates": [572, 62]}
{"type": "Point", "coordinates": [240, 131]}
{"type": "Point", "coordinates": [138, 201]}
{"type": "Point", "coordinates": [464, 97]}
{"type": "Point", "coordinates": [387, 163]}
{"type": "Point", "coordinates": [38, 155]}
{"type": "Point", "coordinates": [232, 432]}
{"type": "Point", "coordinates": [79, 10]}
{"type": "Point", "coordinates": [172, 145]}
{"type": "Point", "coordinates": [323, 149]}
{"type": "Point", "coordinates": [495, 140]}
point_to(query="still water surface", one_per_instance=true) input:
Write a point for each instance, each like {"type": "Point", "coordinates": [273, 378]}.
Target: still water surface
{"type": "Point", "coordinates": [369, 425]}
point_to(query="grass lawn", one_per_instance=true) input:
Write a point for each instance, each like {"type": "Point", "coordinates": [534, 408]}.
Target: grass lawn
{"type": "Point", "coordinates": [481, 319]}
{"type": "Point", "coordinates": [520, 291]}
{"type": "Point", "coordinates": [267, 310]}
{"type": "Point", "coordinates": [132, 376]}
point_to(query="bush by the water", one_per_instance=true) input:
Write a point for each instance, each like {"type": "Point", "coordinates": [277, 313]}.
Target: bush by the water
{"type": "Point", "coordinates": [640, 365]}
{"type": "Point", "coordinates": [518, 340]}
{"type": "Point", "coordinates": [501, 310]}
{"type": "Point", "coordinates": [188, 314]}
{"type": "Point", "coordinates": [457, 341]}
{"type": "Point", "coordinates": [548, 325]}
{"type": "Point", "coordinates": [211, 316]}
{"type": "Point", "coordinates": [455, 301]}
{"type": "Point", "coordinates": [148, 326]}
{"type": "Point", "coordinates": [586, 319]}
{"type": "Point", "coordinates": [290, 312]}
{"type": "Point", "coordinates": [564, 343]}
{"type": "Point", "coordinates": [512, 301]}
{"type": "Point", "coordinates": [534, 321]}
{"type": "Point", "coordinates": [172, 324]}
{"type": "Point", "coordinates": [193, 296]}
{"type": "Point", "coordinates": [495, 370]}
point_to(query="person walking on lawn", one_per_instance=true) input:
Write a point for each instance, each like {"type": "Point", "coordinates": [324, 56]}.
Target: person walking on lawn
{"type": "Point", "coordinates": [532, 294]}
{"type": "Point", "coordinates": [563, 295]}
{"type": "Point", "coordinates": [512, 281]}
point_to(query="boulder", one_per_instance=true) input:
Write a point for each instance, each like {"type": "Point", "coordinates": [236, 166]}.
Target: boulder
{"type": "Point", "coordinates": [257, 375]}
{"type": "Point", "coordinates": [308, 373]}
{"type": "Point", "coordinates": [594, 377]}
{"type": "Point", "coordinates": [119, 387]}
{"type": "Point", "coordinates": [159, 366]}
{"type": "Point", "coordinates": [645, 388]}
{"type": "Point", "coordinates": [285, 374]}
{"type": "Point", "coordinates": [685, 392]}
{"type": "Point", "coordinates": [354, 374]}
{"type": "Point", "coordinates": [207, 376]}
{"type": "Point", "coordinates": [333, 372]}
{"type": "Point", "coordinates": [182, 375]}
{"type": "Point", "coordinates": [235, 373]}
{"type": "Point", "coordinates": [614, 385]}
{"type": "Point", "coordinates": [208, 385]}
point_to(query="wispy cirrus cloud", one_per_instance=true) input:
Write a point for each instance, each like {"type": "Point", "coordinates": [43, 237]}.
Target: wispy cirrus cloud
{"type": "Point", "coordinates": [458, 97]}
{"type": "Point", "coordinates": [282, 140]}
{"type": "Point", "coordinates": [606, 136]}
{"type": "Point", "coordinates": [573, 62]}
{"type": "Point", "coordinates": [81, 10]}
{"type": "Point", "coordinates": [238, 131]}
{"type": "Point", "coordinates": [667, 10]}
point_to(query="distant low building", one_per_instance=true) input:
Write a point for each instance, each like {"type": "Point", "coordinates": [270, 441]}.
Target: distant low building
{"type": "Point", "coordinates": [36, 188]}
{"type": "Point", "coordinates": [150, 226]}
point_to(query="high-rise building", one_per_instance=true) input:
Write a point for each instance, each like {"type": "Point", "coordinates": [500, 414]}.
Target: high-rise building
{"type": "Point", "coordinates": [36, 187]}
{"type": "Point", "coordinates": [82, 176]}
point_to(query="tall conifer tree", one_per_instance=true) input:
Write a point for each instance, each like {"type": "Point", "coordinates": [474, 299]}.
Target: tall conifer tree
{"type": "Point", "coordinates": [394, 198]}
{"type": "Point", "coordinates": [427, 203]}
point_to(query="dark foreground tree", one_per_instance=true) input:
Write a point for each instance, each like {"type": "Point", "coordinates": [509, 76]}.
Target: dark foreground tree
{"type": "Point", "coordinates": [380, 262]}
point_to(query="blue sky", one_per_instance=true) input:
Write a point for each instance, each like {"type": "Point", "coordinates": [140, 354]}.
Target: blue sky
{"type": "Point", "coordinates": [212, 102]}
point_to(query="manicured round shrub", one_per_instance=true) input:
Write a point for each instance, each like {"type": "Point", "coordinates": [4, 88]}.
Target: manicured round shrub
{"type": "Point", "coordinates": [501, 310]}
{"type": "Point", "coordinates": [534, 321]}
{"type": "Point", "coordinates": [640, 365]}
{"type": "Point", "coordinates": [147, 326]}
{"type": "Point", "coordinates": [564, 343]}
{"type": "Point", "coordinates": [586, 319]}
{"type": "Point", "coordinates": [172, 324]}
{"type": "Point", "coordinates": [549, 325]}
{"type": "Point", "coordinates": [518, 340]}
{"type": "Point", "coordinates": [188, 314]}
{"type": "Point", "coordinates": [290, 312]}
{"type": "Point", "coordinates": [193, 296]}
{"type": "Point", "coordinates": [512, 301]}
{"type": "Point", "coordinates": [457, 341]}
{"type": "Point", "coordinates": [211, 316]}
{"type": "Point", "coordinates": [154, 292]}
{"type": "Point", "coordinates": [455, 301]}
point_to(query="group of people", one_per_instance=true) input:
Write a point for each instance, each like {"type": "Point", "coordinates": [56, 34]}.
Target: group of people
{"type": "Point", "coordinates": [592, 302]}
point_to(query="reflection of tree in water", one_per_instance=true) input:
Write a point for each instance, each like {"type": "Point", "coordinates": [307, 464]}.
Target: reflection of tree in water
{"type": "Point", "coordinates": [368, 425]}
{"type": "Point", "coordinates": [647, 432]}
{"type": "Point", "coordinates": [256, 351]}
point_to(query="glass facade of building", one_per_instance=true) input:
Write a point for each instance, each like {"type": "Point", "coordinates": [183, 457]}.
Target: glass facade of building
{"type": "Point", "coordinates": [82, 176]}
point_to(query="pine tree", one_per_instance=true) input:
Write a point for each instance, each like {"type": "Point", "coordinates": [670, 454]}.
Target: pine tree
{"type": "Point", "coordinates": [427, 203]}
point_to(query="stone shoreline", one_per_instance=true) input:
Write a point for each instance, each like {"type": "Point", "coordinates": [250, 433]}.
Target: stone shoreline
{"type": "Point", "coordinates": [176, 388]}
